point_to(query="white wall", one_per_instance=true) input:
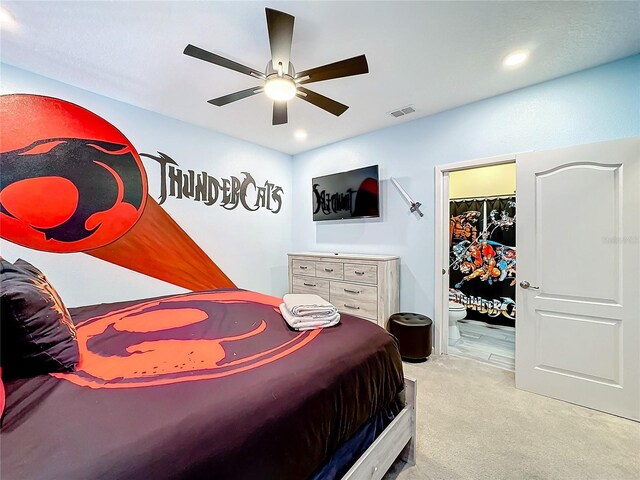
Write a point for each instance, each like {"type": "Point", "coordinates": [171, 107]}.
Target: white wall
{"type": "Point", "coordinates": [599, 104]}
{"type": "Point", "coordinates": [250, 247]}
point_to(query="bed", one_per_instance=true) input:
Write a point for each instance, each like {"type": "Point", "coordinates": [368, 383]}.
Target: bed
{"type": "Point", "coordinates": [212, 385]}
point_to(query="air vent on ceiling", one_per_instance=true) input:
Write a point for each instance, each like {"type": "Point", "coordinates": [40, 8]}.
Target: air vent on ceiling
{"type": "Point", "coordinates": [402, 111]}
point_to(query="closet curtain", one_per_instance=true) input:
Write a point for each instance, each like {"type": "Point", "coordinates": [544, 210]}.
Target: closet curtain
{"type": "Point", "coordinates": [483, 258]}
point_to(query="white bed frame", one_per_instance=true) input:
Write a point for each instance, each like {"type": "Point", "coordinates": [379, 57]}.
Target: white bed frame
{"type": "Point", "coordinates": [398, 439]}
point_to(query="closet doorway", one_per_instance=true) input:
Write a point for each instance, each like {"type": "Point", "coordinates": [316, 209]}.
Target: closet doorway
{"type": "Point", "coordinates": [475, 235]}
{"type": "Point", "coordinates": [482, 264]}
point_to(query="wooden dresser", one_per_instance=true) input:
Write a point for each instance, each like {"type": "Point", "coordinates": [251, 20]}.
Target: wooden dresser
{"type": "Point", "coordinates": [366, 286]}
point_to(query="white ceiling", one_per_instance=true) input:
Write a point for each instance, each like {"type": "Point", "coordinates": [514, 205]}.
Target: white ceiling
{"type": "Point", "coordinates": [432, 55]}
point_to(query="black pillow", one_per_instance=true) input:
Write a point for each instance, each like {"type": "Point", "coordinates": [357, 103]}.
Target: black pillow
{"type": "Point", "coordinates": [38, 335]}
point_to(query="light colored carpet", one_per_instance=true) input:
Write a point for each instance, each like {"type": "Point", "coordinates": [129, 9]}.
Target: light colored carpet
{"type": "Point", "coordinates": [474, 424]}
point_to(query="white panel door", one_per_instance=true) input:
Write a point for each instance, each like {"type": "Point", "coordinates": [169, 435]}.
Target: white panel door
{"type": "Point", "coordinates": [578, 299]}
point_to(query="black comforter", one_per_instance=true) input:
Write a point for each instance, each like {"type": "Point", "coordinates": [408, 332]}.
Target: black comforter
{"type": "Point", "coordinates": [202, 385]}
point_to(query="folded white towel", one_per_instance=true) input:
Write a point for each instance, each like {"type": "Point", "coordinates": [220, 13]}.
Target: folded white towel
{"type": "Point", "coordinates": [314, 311]}
{"type": "Point", "coordinates": [308, 305]}
{"type": "Point", "coordinates": [308, 323]}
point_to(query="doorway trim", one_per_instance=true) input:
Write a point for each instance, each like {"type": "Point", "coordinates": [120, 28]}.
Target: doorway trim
{"type": "Point", "coordinates": [441, 304]}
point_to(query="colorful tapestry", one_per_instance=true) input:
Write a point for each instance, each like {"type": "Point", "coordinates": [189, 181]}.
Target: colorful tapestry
{"type": "Point", "coordinates": [482, 263]}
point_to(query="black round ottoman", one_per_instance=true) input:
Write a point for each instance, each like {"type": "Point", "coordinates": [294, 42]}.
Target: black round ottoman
{"type": "Point", "coordinates": [413, 332]}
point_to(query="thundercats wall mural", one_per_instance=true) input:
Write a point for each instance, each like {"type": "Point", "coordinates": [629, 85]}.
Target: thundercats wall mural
{"type": "Point", "coordinates": [482, 264]}
{"type": "Point", "coordinates": [72, 182]}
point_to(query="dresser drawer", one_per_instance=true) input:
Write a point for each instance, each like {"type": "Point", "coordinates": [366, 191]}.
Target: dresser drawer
{"type": "Point", "coordinates": [359, 300]}
{"type": "Point", "coordinates": [304, 267]}
{"type": "Point", "coordinates": [314, 285]}
{"type": "Point", "coordinates": [329, 270]}
{"type": "Point", "coordinates": [361, 273]}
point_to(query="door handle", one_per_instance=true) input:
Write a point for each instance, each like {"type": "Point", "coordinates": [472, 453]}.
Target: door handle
{"type": "Point", "coordinates": [526, 285]}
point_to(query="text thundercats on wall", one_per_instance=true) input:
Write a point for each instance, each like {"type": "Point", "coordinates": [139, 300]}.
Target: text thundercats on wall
{"type": "Point", "coordinates": [202, 187]}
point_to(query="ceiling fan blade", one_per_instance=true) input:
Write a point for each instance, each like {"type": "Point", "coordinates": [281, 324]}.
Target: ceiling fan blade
{"type": "Point", "coordinates": [280, 26]}
{"type": "Point", "coordinates": [279, 113]}
{"type": "Point", "coordinates": [321, 101]}
{"type": "Point", "coordinates": [232, 97]}
{"type": "Point", "coordinates": [201, 54]}
{"type": "Point", "coordinates": [343, 68]}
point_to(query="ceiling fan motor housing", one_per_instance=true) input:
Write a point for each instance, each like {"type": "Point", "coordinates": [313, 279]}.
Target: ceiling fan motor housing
{"type": "Point", "coordinates": [288, 71]}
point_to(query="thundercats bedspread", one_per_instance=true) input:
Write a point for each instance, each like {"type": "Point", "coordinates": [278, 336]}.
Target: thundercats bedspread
{"type": "Point", "coordinates": [202, 385]}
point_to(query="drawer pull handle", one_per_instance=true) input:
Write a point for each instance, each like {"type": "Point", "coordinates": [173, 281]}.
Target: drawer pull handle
{"type": "Point", "coordinates": [309, 284]}
{"type": "Point", "coordinates": [328, 270]}
{"type": "Point", "coordinates": [359, 273]}
{"type": "Point", "coordinates": [303, 267]}
{"type": "Point", "coordinates": [351, 291]}
{"type": "Point", "coordinates": [355, 307]}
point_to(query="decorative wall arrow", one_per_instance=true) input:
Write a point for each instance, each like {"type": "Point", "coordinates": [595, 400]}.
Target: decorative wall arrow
{"type": "Point", "coordinates": [414, 206]}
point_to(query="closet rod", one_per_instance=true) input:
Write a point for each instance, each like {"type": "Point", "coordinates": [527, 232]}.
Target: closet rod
{"type": "Point", "coordinates": [498, 197]}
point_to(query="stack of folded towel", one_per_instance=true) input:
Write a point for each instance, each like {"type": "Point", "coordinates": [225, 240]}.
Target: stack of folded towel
{"type": "Point", "coordinates": [308, 312]}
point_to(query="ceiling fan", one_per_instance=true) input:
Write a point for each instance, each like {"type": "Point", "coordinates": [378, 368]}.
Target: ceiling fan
{"type": "Point", "coordinates": [281, 81]}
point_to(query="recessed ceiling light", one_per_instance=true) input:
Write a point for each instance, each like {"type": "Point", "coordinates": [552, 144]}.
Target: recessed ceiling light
{"type": "Point", "coordinates": [516, 58]}
{"type": "Point", "coordinates": [7, 20]}
{"type": "Point", "coordinates": [300, 134]}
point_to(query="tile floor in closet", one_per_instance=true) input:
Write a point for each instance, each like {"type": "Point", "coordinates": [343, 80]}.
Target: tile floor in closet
{"type": "Point", "coordinates": [495, 345]}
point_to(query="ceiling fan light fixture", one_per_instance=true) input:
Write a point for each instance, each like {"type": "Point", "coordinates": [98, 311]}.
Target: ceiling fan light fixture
{"type": "Point", "coordinates": [279, 88]}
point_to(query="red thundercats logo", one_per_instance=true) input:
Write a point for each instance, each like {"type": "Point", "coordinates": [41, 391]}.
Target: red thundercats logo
{"type": "Point", "coordinates": [198, 336]}
{"type": "Point", "coordinates": [70, 180]}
